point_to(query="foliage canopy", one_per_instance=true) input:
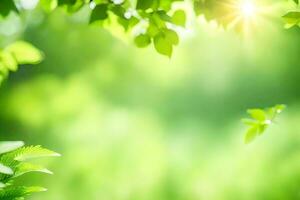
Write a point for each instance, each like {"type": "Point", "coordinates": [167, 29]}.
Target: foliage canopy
{"type": "Point", "coordinates": [151, 21]}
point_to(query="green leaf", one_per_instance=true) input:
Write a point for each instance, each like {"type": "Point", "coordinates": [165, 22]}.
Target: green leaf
{"type": "Point", "coordinates": [157, 21]}
{"type": "Point", "coordinates": [24, 53]}
{"type": "Point", "coordinates": [7, 6]}
{"type": "Point", "coordinates": [9, 61]}
{"type": "Point", "coordinates": [163, 45]}
{"type": "Point", "coordinates": [72, 5]}
{"type": "Point", "coordinates": [24, 168]}
{"type": "Point", "coordinates": [13, 193]}
{"type": "Point", "coordinates": [30, 152]}
{"type": "Point", "coordinates": [257, 114]}
{"type": "Point", "coordinates": [142, 40]}
{"type": "Point", "coordinates": [251, 134]}
{"type": "Point", "coordinates": [249, 122]}
{"type": "Point", "coordinates": [128, 23]}
{"type": "Point", "coordinates": [5, 170]}
{"type": "Point", "coordinates": [179, 18]}
{"type": "Point", "coordinates": [48, 5]}
{"type": "Point", "coordinates": [10, 146]}
{"type": "Point", "coordinates": [164, 16]}
{"type": "Point", "coordinates": [99, 13]}
{"type": "Point", "coordinates": [12, 166]}
{"type": "Point", "coordinates": [261, 120]}
{"type": "Point", "coordinates": [279, 108]}
{"type": "Point", "coordinates": [152, 30]}
{"type": "Point", "coordinates": [291, 19]}
{"type": "Point", "coordinates": [171, 36]}
{"type": "Point", "coordinates": [144, 4]}
{"type": "Point", "coordinates": [262, 128]}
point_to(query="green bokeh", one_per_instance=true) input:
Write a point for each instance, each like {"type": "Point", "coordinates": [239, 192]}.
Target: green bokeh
{"type": "Point", "coordinates": [134, 125]}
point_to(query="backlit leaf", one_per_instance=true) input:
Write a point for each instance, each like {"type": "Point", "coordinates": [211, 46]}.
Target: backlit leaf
{"type": "Point", "coordinates": [179, 18]}
{"type": "Point", "coordinates": [25, 53]}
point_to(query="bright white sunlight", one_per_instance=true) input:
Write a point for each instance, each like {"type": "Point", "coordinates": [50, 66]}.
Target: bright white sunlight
{"type": "Point", "coordinates": [247, 9]}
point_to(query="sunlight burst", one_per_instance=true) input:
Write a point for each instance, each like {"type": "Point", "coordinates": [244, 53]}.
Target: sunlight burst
{"type": "Point", "coordinates": [247, 9]}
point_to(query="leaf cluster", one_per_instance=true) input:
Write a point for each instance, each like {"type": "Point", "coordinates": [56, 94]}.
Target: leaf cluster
{"type": "Point", "coordinates": [260, 120]}
{"type": "Point", "coordinates": [158, 15]}
{"type": "Point", "coordinates": [14, 162]}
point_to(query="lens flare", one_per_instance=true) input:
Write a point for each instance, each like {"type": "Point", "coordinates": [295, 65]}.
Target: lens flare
{"type": "Point", "coordinates": [247, 9]}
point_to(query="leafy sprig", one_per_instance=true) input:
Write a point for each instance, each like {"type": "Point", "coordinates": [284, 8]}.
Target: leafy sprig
{"type": "Point", "coordinates": [14, 163]}
{"type": "Point", "coordinates": [160, 17]}
{"type": "Point", "coordinates": [260, 120]}
{"type": "Point", "coordinates": [156, 15]}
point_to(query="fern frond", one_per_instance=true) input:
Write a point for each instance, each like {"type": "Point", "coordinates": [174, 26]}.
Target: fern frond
{"type": "Point", "coordinates": [30, 152]}
{"type": "Point", "coordinates": [13, 193]}
{"type": "Point", "coordinates": [13, 158]}
{"type": "Point", "coordinates": [12, 165]}
{"type": "Point", "coordinates": [24, 168]}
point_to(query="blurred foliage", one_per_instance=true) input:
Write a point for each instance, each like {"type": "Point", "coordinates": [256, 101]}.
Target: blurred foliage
{"type": "Point", "coordinates": [292, 18]}
{"type": "Point", "coordinates": [133, 125]}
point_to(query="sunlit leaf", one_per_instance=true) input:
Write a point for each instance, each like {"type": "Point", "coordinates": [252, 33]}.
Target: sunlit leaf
{"type": "Point", "coordinates": [12, 166]}
{"type": "Point", "coordinates": [171, 36]}
{"type": "Point", "coordinates": [142, 40]}
{"type": "Point", "coordinates": [257, 114]}
{"type": "Point", "coordinates": [9, 61]}
{"type": "Point", "coordinates": [179, 18]}
{"type": "Point", "coordinates": [13, 193]}
{"type": "Point", "coordinates": [291, 19]}
{"type": "Point", "coordinates": [30, 152]}
{"type": "Point", "coordinates": [163, 45]}
{"type": "Point", "coordinates": [10, 146]}
{"type": "Point", "coordinates": [25, 53]}
{"type": "Point", "coordinates": [24, 168]}
{"type": "Point", "coordinates": [251, 134]}
{"type": "Point", "coordinates": [5, 170]}
{"type": "Point", "coordinates": [260, 120]}
{"type": "Point", "coordinates": [48, 5]}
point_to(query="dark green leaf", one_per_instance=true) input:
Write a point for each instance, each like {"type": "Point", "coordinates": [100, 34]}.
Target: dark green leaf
{"type": "Point", "coordinates": [99, 13]}
{"type": "Point", "coordinates": [7, 6]}
{"type": "Point", "coordinates": [144, 4]}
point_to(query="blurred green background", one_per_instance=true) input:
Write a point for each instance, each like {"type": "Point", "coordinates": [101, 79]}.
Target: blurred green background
{"type": "Point", "coordinates": [134, 125]}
